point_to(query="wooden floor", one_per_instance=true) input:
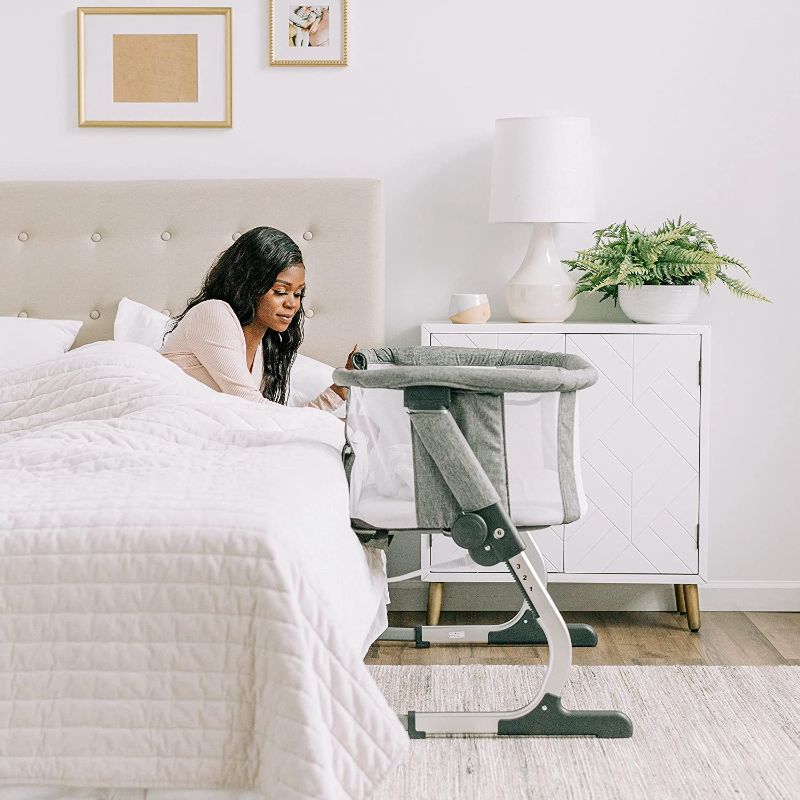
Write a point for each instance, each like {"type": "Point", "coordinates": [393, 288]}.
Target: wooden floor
{"type": "Point", "coordinates": [633, 638]}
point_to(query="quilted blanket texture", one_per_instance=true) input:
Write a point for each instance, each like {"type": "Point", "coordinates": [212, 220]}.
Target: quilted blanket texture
{"type": "Point", "coordinates": [182, 601]}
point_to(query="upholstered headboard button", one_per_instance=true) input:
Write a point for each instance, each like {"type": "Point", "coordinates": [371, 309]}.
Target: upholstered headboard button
{"type": "Point", "coordinates": [166, 312]}
{"type": "Point", "coordinates": [235, 235]}
{"type": "Point", "coordinates": [166, 236]}
{"type": "Point", "coordinates": [94, 314]}
{"type": "Point", "coordinates": [308, 236]}
{"type": "Point", "coordinates": [22, 314]}
{"type": "Point", "coordinates": [310, 312]}
{"type": "Point", "coordinates": [23, 237]}
{"type": "Point", "coordinates": [95, 237]}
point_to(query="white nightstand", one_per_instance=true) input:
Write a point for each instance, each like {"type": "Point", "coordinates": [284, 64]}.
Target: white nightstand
{"type": "Point", "coordinates": [644, 446]}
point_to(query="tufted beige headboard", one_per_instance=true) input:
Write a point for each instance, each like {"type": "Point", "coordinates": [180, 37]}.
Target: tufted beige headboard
{"type": "Point", "coordinates": [72, 250]}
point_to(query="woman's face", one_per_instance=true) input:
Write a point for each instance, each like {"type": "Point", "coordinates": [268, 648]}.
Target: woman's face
{"type": "Point", "coordinates": [276, 309]}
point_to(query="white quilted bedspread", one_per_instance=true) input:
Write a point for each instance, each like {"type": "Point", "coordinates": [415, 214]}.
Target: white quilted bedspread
{"type": "Point", "coordinates": [182, 601]}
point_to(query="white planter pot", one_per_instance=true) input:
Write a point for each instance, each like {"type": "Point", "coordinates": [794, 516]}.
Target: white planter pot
{"type": "Point", "coordinates": [659, 304]}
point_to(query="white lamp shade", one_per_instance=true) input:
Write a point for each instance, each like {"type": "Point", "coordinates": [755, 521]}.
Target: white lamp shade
{"type": "Point", "coordinates": [542, 170]}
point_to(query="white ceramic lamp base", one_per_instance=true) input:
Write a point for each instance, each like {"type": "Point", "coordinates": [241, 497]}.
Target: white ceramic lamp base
{"type": "Point", "coordinates": [541, 289]}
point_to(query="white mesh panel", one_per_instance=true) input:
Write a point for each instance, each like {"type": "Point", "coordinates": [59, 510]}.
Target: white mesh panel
{"type": "Point", "coordinates": [534, 492]}
{"type": "Point", "coordinates": [382, 481]}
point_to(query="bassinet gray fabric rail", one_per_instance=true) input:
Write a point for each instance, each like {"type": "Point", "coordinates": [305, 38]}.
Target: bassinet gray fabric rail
{"type": "Point", "coordinates": [489, 371]}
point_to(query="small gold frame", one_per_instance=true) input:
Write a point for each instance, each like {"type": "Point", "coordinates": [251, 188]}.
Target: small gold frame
{"type": "Point", "coordinates": [277, 62]}
{"type": "Point", "coordinates": [83, 122]}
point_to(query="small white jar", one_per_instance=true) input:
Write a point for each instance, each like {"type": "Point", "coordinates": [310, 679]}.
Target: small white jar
{"type": "Point", "coordinates": [469, 308]}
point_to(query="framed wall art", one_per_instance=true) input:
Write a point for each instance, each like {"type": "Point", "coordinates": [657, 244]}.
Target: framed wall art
{"type": "Point", "coordinates": [308, 35]}
{"type": "Point", "coordinates": [154, 67]}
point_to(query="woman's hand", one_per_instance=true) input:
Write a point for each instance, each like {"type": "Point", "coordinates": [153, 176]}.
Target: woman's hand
{"type": "Point", "coordinates": [342, 390]}
{"type": "Point", "coordinates": [349, 362]}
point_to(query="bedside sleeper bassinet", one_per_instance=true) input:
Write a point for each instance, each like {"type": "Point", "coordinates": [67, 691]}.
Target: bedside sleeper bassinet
{"type": "Point", "coordinates": [487, 451]}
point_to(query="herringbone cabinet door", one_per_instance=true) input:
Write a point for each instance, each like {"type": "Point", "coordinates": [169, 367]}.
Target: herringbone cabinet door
{"type": "Point", "coordinates": [640, 440]}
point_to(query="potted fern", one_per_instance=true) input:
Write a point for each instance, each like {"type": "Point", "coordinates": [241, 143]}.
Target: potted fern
{"type": "Point", "coordinates": [656, 277]}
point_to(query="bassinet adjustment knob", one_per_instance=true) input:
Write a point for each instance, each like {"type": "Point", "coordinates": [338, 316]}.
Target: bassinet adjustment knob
{"type": "Point", "coordinates": [469, 530]}
{"type": "Point", "coordinates": [503, 544]}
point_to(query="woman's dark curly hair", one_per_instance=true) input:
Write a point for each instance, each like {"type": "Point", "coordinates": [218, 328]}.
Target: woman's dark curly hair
{"type": "Point", "coordinates": [240, 276]}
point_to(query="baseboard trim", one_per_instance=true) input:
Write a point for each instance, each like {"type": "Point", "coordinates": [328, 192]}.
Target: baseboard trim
{"type": "Point", "coordinates": [750, 596]}
{"type": "Point", "coordinates": [714, 596]}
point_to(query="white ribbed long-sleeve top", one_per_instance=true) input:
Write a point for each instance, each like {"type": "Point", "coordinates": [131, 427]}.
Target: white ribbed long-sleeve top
{"type": "Point", "coordinates": [209, 345]}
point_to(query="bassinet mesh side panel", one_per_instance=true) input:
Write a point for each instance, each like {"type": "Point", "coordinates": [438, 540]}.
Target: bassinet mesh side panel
{"type": "Point", "coordinates": [379, 460]}
{"type": "Point", "coordinates": [531, 424]}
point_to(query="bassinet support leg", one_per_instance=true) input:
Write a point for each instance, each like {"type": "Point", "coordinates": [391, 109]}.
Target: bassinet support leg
{"type": "Point", "coordinates": [486, 531]}
{"type": "Point", "coordinates": [545, 714]}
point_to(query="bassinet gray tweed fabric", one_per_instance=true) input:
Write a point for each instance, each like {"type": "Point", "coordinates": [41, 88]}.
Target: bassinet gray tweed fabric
{"type": "Point", "coordinates": [469, 368]}
{"type": "Point", "coordinates": [566, 462]}
{"type": "Point", "coordinates": [443, 494]}
{"type": "Point", "coordinates": [699, 733]}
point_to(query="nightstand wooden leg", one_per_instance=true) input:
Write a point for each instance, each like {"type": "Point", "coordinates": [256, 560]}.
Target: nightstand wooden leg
{"type": "Point", "coordinates": [435, 593]}
{"type": "Point", "coordinates": [692, 606]}
{"type": "Point", "coordinates": [680, 598]}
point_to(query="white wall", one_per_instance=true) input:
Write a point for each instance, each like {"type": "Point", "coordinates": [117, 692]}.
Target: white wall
{"type": "Point", "coordinates": [695, 112]}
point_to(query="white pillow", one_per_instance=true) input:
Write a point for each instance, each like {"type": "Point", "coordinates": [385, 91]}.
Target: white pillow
{"type": "Point", "coordinates": [25, 341]}
{"type": "Point", "coordinates": [308, 379]}
{"type": "Point", "coordinates": [141, 324]}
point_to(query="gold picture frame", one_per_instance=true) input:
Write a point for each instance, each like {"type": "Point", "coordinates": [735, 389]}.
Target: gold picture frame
{"type": "Point", "coordinates": [155, 67]}
{"type": "Point", "coordinates": [292, 46]}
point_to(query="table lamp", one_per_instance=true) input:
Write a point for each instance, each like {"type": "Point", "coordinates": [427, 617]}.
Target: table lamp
{"type": "Point", "coordinates": [541, 173]}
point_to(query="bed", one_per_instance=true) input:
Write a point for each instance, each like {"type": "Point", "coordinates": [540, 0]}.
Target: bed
{"type": "Point", "coordinates": [183, 605]}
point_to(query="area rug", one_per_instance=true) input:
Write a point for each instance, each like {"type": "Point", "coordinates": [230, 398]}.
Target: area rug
{"type": "Point", "coordinates": [699, 732]}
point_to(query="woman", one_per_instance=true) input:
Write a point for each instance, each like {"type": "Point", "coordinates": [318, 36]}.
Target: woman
{"type": "Point", "coordinates": [241, 332]}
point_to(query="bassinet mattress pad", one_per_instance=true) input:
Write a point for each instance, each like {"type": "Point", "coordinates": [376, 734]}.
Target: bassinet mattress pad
{"type": "Point", "coordinates": [182, 600]}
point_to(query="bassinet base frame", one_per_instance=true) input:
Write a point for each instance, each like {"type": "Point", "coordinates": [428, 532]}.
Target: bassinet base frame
{"type": "Point", "coordinates": [523, 628]}
{"type": "Point", "coordinates": [545, 714]}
